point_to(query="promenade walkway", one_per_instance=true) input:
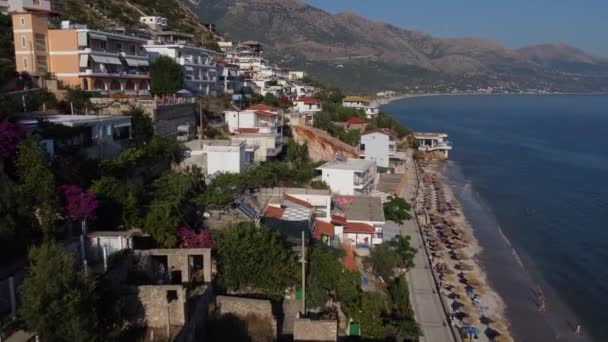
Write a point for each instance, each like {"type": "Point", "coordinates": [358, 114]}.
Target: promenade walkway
{"type": "Point", "coordinates": [426, 302]}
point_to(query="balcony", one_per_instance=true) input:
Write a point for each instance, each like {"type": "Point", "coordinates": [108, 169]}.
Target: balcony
{"type": "Point", "coordinates": [363, 180]}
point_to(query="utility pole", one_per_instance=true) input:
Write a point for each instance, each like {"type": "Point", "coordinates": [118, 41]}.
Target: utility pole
{"type": "Point", "coordinates": [303, 261]}
{"type": "Point", "coordinates": [200, 132]}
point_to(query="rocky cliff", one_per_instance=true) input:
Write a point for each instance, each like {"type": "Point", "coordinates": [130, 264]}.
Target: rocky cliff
{"type": "Point", "coordinates": [322, 146]}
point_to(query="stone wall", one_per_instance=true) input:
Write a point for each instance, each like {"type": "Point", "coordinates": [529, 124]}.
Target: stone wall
{"type": "Point", "coordinates": [243, 307]}
{"type": "Point", "coordinates": [321, 145]}
{"type": "Point", "coordinates": [178, 260]}
{"type": "Point", "coordinates": [305, 329]}
{"type": "Point", "coordinates": [157, 311]}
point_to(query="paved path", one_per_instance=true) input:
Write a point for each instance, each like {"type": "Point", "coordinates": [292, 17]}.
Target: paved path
{"type": "Point", "coordinates": [426, 302]}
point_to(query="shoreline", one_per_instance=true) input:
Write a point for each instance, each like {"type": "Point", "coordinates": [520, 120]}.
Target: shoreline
{"type": "Point", "coordinates": [472, 300]}
{"type": "Point", "coordinates": [388, 100]}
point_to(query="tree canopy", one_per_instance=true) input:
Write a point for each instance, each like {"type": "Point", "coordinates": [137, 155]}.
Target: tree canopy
{"type": "Point", "coordinates": [142, 125]}
{"type": "Point", "coordinates": [167, 76]}
{"type": "Point", "coordinates": [254, 260]}
{"type": "Point", "coordinates": [396, 209]}
{"type": "Point", "coordinates": [58, 302]}
{"type": "Point", "coordinates": [390, 255]}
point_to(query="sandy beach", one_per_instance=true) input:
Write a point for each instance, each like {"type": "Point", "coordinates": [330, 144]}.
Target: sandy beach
{"type": "Point", "coordinates": [474, 306]}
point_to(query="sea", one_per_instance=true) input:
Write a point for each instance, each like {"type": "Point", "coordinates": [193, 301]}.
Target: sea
{"type": "Point", "coordinates": [531, 172]}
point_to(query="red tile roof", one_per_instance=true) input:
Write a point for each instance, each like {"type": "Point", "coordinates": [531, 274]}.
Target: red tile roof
{"type": "Point", "coordinates": [323, 228]}
{"type": "Point", "coordinates": [264, 113]}
{"type": "Point", "coordinates": [358, 228]}
{"type": "Point", "coordinates": [297, 201]}
{"type": "Point", "coordinates": [249, 130]}
{"type": "Point", "coordinates": [273, 212]}
{"type": "Point", "coordinates": [263, 107]}
{"type": "Point", "coordinates": [309, 100]}
{"type": "Point", "coordinates": [285, 100]}
{"type": "Point", "coordinates": [386, 131]}
{"type": "Point", "coordinates": [337, 219]}
{"type": "Point", "coordinates": [355, 121]}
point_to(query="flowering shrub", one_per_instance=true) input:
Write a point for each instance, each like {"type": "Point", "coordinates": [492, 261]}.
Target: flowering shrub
{"type": "Point", "coordinates": [10, 136]}
{"type": "Point", "coordinates": [79, 204]}
{"type": "Point", "coordinates": [189, 239]}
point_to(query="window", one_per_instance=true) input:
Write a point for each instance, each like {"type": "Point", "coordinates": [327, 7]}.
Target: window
{"type": "Point", "coordinates": [362, 147]}
{"type": "Point", "coordinates": [36, 2]}
{"type": "Point", "coordinates": [40, 42]}
{"type": "Point", "coordinates": [22, 20]}
{"type": "Point", "coordinates": [23, 41]}
{"type": "Point", "coordinates": [25, 63]}
{"type": "Point", "coordinates": [42, 64]}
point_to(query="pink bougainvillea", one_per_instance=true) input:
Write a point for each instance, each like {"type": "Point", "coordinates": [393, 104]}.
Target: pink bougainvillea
{"type": "Point", "coordinates": [10, 136]}
{"type": "Point", "coordinates": [79, 204]}
{"type": "Point", "coordinates": [190, 239]}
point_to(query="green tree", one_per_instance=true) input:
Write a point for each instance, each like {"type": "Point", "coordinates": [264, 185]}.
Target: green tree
{"type": "Point", "coordinates": [369, 315]}
{"type": "Point", "coordinates": [382, 261]}
{"type": "Point", "coordinates": [167, 76]}
{"type": "Point", "coordinates": [402, 323]}
{"type": "Point", "coordinates": [58, 302]}
{"type": "Point", "coordinates": [162, 223]}
{"type": "Point", "coordinates": [296, 153]}
{"type": "Point", "coordinates": [402, 246]}
{"type": "Point", "coordinates": [118, 202]}
{"type": "Point", "coordinates": [7, 51]}
{"type": "Point", "coordinates": [142, 125]}
{"type": "Point", "coordinates": [37, 184]}
{"type": "Point", "coordinates": [329, 280]}
{"type": "Point", "coordinates": [223, 190]}
{"type": "Point", "coordinates": [80, 100]}
{"type": "Point", "coordinates": [254, 260]}
{"type": "Point", "coordinates": [396, 209]}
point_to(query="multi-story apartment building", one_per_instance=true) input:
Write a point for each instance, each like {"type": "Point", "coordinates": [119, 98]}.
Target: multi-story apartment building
{"type": "Point", "coordinates": [77, 56]}
{"type": "Point", "coordinates": [360, 103]}
{"type": "Point", "coordinates": [10, 6]}
{"type": "Point", "coordinates": [200, 68]}
{"type": "Point", "coordinates": [260, 126]}
{"type": "Point", "coordinates": [349, 176]}
{"type": "Point", "coordinates": [378, 146]}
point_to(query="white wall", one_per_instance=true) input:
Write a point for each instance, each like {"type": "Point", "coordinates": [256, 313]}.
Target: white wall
{"type": "Point", "coordinates": [227, 162]}
{"type": "Point", "coordinates": [376, 148]}
{"type": "Point", "coordinates": [340, 181]}
{"type": "Point", "coordinates": [236, 120]}
{"type": "Point", "coordinates": [302, 107]}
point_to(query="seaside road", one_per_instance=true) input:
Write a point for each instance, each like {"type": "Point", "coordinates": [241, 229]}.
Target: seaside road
{"type": "Point", "coordinates": [425, 301]}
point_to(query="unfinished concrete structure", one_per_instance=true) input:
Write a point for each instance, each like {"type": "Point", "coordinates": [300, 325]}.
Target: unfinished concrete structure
{"type": "Point", "coordinates": [166, 290]}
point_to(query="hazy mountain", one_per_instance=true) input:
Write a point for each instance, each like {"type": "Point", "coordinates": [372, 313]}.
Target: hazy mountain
{"type": "Point", "coordinates": [361, 54]}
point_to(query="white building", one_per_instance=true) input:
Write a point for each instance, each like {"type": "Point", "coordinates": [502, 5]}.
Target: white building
{"type": "Point", "coordinates": [97, 136]}
{"type": "Point", "coordinates": [360, 103]}
{"type": "Point", "coordinates": [303, 91]}
{"type": "Point", "coordinates": [358, 220]}
{"type": "Point", "coordinates": [260, 126]}
{"type": "Point", "coordinates": [307, 105]}
{"type": "Point", "coordinates": [219, 156]}
{"type": "Point", "coordinates": [9, 6]}
{"type": "Point", "coordinates": [319, 201]}
{"type": "Point", "coordinates": [429, 142]}
{"type": "Point", "coordinates": [296, 75]}
{"type": "Point", "coordinates": [378, 146]}
{"type": "Point", "coordinates": [200, 70]}
{"type": "Point", "coordinates": [349, 176]}
{"type": "Point", "coordinates": [155, 23]}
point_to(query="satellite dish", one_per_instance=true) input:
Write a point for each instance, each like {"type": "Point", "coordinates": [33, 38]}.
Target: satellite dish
{"type": "Point", "coordinates": [340, 157]}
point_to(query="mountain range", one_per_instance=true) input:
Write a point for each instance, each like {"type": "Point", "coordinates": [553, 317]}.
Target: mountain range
{"type": "Point", "coordinates": [365, 56]}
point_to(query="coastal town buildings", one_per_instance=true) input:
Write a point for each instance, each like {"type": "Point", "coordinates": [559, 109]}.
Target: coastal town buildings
{"type": "Point", "coordinates": [360, 103]}
{"type": "Point", "coordinates": [219, 156]}
{"type": "Point", "coordinates": [349, 176]}
{"type": "Point", "coordinates": [379, 146]}
{"type": "Point", "coordinates": [11, 6]}
{"type": "Point", "coordinates": [95, 136]}
{"type": "Point", "coordinates": [431, 142]}
{"type": "Point", "coordinates": [77, 56]}
{"type": "Point", "coordinates": [260, 126]}
{"type": "Point", "coordinates": [359, 220]}
{"type": "Point", "coordinates": [307, 105]}
{"type": "Point", "coordinates": [198, 64]}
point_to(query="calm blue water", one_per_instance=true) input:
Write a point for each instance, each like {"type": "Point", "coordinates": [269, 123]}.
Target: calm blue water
{"type": "Point", "coordinates": [540, 166]}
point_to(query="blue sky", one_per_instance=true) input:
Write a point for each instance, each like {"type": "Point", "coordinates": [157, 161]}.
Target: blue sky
{"type": "Point", "coordinates": [514, 23]}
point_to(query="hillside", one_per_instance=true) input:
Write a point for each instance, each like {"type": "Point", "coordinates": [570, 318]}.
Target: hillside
{"type": "Point", "coordinates": [104, 13]}
{"type": "Point", "coordinates": [363, 55]}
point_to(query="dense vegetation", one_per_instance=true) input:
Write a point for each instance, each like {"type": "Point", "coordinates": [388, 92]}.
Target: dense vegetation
{"type": "Point", "coordinates": [167, 76]}
{"type": "Point", "coordinates": [397, 209]}
{"type": "Point", "coordinates": [333, 112]}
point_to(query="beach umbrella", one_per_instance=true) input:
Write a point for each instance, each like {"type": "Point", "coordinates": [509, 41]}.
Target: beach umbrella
{"type": "Point", "coordinates": [468, 309]}
{"type": "Point", "coordinates": [481, 290]}
{"type": "Point", "coordinates": [460, 292]}
{"type": "Point", "coordinates": [449, 278]}
{"type": "Point", "coordinates": [460, 255]}
{"type": "Point", "coordinates": [448, 270]}
{"type": "Point", "coordinates": [499, 326]}
{"type": "Point", "coordinates": [471, 320]}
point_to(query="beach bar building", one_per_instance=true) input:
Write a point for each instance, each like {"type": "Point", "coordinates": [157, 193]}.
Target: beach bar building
{"type": "Point", "coordinates": [430, 142]}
